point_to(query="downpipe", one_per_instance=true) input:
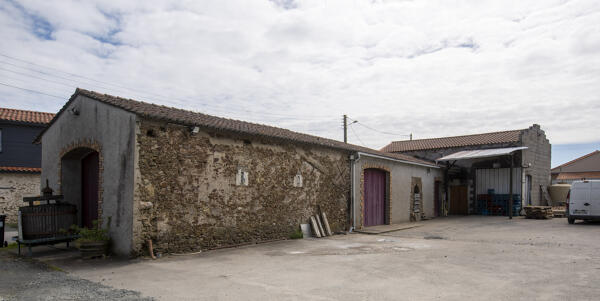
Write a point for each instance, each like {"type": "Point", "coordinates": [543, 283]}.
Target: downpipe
{"type": "Point", "coordinates": [353, 162]}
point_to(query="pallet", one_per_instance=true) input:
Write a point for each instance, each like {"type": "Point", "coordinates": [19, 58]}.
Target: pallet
{"type": "Point", "coordinates": [538, 212]}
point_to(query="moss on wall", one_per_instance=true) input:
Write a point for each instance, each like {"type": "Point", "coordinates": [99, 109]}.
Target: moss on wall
{"type": "Point", "coordinates": [187, 197]}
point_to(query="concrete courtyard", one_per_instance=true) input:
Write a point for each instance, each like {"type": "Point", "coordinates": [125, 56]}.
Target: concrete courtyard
{"type": "Point", "coordinates": [456, 258]}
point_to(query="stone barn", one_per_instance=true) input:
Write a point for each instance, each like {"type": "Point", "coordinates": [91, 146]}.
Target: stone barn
{"type": "Point", "coordinates": [190, 181]}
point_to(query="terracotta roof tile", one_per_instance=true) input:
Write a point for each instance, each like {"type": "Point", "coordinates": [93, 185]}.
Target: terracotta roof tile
{"type": "Point", "coordinates": [190, 118]}
{"type": "Point", "coordinates": [557, 168]}
{"type": "Point", "coordinates": [456, 141]}
{"type": "Point", "coordinates": [19, 169]}
{"type": "Point", "coordinates": [25, 116]}
{"type": "Point", "coordinates": [578, 175]}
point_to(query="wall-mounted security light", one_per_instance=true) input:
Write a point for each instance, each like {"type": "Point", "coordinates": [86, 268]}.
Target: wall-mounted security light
{"type": "Point", "coordinates": [194, 130]}
{"type": "Point", "coordinates": [74, 111]}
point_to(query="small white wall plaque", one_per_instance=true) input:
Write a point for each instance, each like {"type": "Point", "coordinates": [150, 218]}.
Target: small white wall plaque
{"type": "Point", "coordinates": [298, 180]}
{"type": "Point", "coordinates": [241, 179]}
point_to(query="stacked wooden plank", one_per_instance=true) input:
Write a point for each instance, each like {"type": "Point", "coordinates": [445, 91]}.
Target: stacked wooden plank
{"type": "Point", "coordinates": [320, 225]}
{"type": "Point", "coordinates": [538, 212]}
{"type": "Point", "coordinates": [559, 211]}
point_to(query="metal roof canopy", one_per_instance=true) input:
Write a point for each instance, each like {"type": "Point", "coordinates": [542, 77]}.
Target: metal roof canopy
{"type": "Point", "coordinates": [481, 153]}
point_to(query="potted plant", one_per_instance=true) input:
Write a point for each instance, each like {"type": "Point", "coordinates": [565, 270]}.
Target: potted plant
{"type": "Point", "coordinates": [92, 242]}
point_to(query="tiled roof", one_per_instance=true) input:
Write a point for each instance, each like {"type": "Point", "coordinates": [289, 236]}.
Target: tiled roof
{"type": "Point", "coordinates": [153, 111]}
{"type": "Point", "coordinates": [19, 169]}
{"type": "Point", "coordinates": [578, 175]}
{"type": "Point", "coordinates": [25, 116]}
{"type": "Point", "coordinates": [456, 141]}
{"type": "Point", "coordinates": [557, 168]}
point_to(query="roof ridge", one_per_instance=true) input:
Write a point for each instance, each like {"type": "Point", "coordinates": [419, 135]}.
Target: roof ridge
{"type": "Point", "coordinates": [191, 118]}
{"type": "Point", "coordinates": [21, 110]}
{"type": "Point", "coordinates": [182, 110]}
{"type": "Point", "coordinates": [460, 136]}
{"type": "Point", "coordinates": [25, 116]}
{"type": "Point", "coordinates": [577, 159]}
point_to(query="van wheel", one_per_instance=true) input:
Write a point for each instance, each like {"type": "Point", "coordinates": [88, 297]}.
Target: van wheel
{"type": "Point", "coordinates": [571, 220]}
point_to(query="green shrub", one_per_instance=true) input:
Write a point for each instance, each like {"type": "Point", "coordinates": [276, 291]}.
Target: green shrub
{"type": "Point", "coordinates": [296, 234]}
{"type": "Point", "coordinates": [91, 235]}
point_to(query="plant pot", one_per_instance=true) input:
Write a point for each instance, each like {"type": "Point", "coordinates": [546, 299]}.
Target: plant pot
{"type": "Point", "coordinates": [92, 249]}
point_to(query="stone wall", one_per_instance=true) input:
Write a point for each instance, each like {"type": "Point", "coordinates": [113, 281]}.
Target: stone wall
{"type": "Point", "coordinates": [13, 187]}
{"type": "Point", "coordinates": [187, 197]}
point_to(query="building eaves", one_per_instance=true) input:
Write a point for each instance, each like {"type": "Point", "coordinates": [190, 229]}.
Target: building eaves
{"type": "Point", "coordinates": [578, 175]}
{"type": "Point", "coordinates": [502, 137]}
{"type": "Point", "coordinates": [189, 118]}
{"type": "Point", "coordinates": [20, 169]}
{"type": "Point", "coordinates": [24, 116]}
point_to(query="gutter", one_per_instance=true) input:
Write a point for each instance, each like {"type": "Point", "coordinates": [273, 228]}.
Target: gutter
{"type": "Point", "coordinates": [395, 160]}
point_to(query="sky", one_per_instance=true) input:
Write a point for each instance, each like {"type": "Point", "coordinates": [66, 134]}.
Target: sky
{"type": "Point", "coordinates": [430, 68]}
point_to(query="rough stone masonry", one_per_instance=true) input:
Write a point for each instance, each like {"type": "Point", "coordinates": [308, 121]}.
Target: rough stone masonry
{"type": "Point", "coordinates": [188, 198]}
{"type": "Point", "coordinates": [13, 187]}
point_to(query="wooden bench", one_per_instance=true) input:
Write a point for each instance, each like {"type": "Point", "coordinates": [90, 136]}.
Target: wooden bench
{"type": "Point", "coordinates": [44, 241]}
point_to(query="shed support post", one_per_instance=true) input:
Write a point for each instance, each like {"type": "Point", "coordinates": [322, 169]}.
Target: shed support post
{"type": "Point", "coordinates": [445, 201]}
{"type": "Point", "coordinates": [510, 191]}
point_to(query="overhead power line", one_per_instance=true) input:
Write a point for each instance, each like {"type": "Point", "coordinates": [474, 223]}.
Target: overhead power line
{"type": "Point", "coordinates": [60, 97]}
{"type": "Point", "coordinates": [378, 131]}
{"type": "Point", "coordinates": [356, 135]}
{"type": "Point", "coordinates": [37, 77]}
{"type": "Point", "coordinates": [140, 92]}
{"type": "Point", "coordinates": [31, 90]}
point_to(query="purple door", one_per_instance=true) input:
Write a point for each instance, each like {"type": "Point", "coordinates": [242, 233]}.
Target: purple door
{"type": "Point", "coordinates": [374, 196]}
{"type": "Point", "coordinates": [89, 189]}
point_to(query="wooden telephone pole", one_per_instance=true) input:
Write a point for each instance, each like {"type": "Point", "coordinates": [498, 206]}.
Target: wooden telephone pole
{"type": "Point", "coordinates": [345, 128]}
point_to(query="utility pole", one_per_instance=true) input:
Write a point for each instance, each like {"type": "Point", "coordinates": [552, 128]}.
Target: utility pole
{"type": "Point", "coordinates": [345, 128]}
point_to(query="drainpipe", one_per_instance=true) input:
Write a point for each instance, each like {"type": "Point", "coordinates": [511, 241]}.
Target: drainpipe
{"type": "Point", "coordinates": [353, 161]}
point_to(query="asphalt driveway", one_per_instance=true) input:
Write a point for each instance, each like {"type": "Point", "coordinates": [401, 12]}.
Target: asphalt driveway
{"type": "Point", "coordinates": [467, 258]}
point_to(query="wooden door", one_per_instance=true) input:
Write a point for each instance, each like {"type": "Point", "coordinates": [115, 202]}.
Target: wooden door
{"type": "Point", "coordinates": [459, 201]}
{"type": "Point", "coordinates": [374, 197]}
{"type": "Point", "coordinates": [89, 189]}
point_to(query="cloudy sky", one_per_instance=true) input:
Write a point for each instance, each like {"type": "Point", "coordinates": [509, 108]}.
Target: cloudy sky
{"type": "Point", "coordinates": [431, 68]}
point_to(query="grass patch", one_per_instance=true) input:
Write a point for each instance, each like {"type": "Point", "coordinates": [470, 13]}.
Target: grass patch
{"type": "Point", "coordinates": [11, 246]}
{"type": "Point", "coordinates": [12, 225]}
{"type": "Point", "coordinates": [296, 234]}
{"type": "Point", "coordinates": [55, 268]}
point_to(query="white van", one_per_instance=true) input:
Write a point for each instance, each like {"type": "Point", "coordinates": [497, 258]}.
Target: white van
{"type": "Point", "coordinates": [583, 201]}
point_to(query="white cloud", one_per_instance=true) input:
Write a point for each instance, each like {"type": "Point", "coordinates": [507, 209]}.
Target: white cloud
{"type": "Point", "coordinates": [432, 68]}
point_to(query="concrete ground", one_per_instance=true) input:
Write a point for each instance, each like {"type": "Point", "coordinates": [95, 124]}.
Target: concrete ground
{"type": "Point", "coordinates": [466, 258]}
{"type": "Point", "coordinates": [26, 279]}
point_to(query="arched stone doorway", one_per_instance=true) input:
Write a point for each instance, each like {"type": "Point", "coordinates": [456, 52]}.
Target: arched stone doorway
{"type": "Point", "coordinates": [80, 175]}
